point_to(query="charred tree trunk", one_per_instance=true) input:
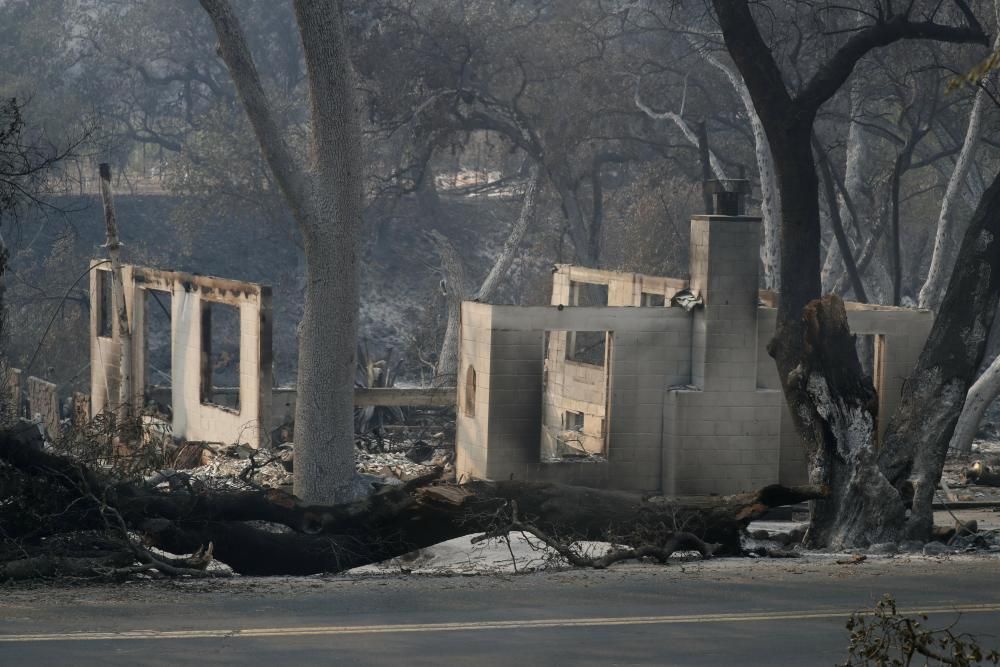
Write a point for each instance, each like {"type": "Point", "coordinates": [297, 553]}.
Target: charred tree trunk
{"type": "Point", "coordinates": [917, 438]}
{"type": "Point", "coordinates": [326, 198]}
{"type": "Point", "coordinates": [844, 422]}
{"type": "Point", "coordinates": [830, 398]}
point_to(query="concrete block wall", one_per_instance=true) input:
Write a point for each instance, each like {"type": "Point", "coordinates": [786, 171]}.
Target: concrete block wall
{"type": "Point", "coordinates": [105, 353]}
{"type": "Point", "coordinates": [723, 436]}
{"type": "Point", "coordinates": [204, 421]}
{"type": "Point", "coordinates": [646, 363]}
{"type": "Point", "coordinates": [471, 427]}
{"type": "Point", "coordinates": [624, 289]}
{"type": "Point", "coordinates": [695, 401]}
{"type": "Point", "coordinates": [651, 351]}
{"type": "Point", "coordinates": [724, 271]}
{"type": "Point", "coordinates": [515, 399]}
{"type": "Point", "coordinates": [580, 387]}
{"type": "Point", "coordinates": [657, 285]}
{"type": "Point", "coordinates": [721, 442]}
{"type": "Point", "coordinates": [904, 333]}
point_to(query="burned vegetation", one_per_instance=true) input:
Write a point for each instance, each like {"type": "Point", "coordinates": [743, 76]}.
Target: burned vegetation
{"type": "Point", "coordinates": [98, 512]}
{"type": "Point", "coordinates": [643, 273]}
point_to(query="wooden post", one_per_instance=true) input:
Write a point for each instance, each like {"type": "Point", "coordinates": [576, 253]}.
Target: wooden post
{"type": "Point", "coordinates": [114, 246]}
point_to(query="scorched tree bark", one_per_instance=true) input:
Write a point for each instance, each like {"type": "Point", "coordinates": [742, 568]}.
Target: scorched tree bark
{"type": "Point", "coordinates": [831, 400]}
{"type": "Point", "coordinates": [326, 199]}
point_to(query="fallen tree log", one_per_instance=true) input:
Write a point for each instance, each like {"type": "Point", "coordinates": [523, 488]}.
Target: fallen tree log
{"type": "Point", "coordinates": [270, 532]}
{"type": "Point", "coordinates": [34, 567]}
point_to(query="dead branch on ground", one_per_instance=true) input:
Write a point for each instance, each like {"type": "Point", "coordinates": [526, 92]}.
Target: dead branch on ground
{"type": "Point", "coordinates": [671, 544]}
{"type": "Point", "coordinates": [268, 532]}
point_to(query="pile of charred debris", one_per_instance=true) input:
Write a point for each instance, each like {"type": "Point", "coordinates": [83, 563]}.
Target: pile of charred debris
{"type": "Point", "coordinates": [241, 467]}
{"type": "Point", "coordinates": [112, 502]}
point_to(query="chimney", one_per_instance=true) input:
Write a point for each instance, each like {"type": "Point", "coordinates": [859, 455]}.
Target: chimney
{"type": "Point", "coordinates": [725, 261]}
{"type": "Point", "coordinates": [727, 197]}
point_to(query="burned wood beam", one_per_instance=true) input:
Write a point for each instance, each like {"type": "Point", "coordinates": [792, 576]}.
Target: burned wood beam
{"type": "Point", "coordinates": [436, 397]}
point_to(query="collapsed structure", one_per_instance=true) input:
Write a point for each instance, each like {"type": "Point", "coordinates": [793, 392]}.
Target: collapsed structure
{"type": "Point", "coordinates": [214, 342]}
{"type": "Point", "coordinates": [201, 358]}
{"type": "Point", "coordinates": [652, 384]}
{"type": "Point", "coordinates": [625, 381]}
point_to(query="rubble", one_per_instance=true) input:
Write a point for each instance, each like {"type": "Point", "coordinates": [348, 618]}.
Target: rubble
{"type": "Point", "coordinates": [974, 478]}
{"type": "Point", "coordinates": [937, 549]}
{"type": "Point", "coordinates": [239, 466]}
{"type": "Point", "coordinates": [982, 474]}
{"type": "Point", "coordinates": [230, 471]}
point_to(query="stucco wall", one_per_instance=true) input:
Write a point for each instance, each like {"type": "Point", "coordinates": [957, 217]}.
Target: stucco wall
{"type": "Point", "coordinates": [193, 419]}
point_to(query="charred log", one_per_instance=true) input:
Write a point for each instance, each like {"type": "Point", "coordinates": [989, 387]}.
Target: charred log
{"type": "Point", "coordinates": [270, 532]}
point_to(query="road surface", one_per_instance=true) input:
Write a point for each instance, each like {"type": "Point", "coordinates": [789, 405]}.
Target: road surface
{"type": "Point", "coordinates": [719, 613]}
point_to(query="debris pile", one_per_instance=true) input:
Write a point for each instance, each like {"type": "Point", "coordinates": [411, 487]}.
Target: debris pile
{"type": "Point", "coordinates": [235, 467]}
{"type": "Point", "coordinates": [402, 466]}
{"type": "Point", "coordinates": [240, 466]}
{"type": "Point", "coordinates": [972, 479]}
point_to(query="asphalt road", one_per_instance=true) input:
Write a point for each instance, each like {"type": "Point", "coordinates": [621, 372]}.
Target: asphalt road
{"type": "Point", "coordinates": [747, 613]}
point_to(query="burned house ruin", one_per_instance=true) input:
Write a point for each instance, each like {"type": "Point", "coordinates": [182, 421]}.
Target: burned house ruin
{"type": "Point", "coordinates": [625, 381]}
{"type": "Point", "coordinates": [652, 384]}
{"type": "Point", "coordinates": [201, 347]}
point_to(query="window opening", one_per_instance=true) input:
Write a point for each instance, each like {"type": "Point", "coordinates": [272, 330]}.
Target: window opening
{"type": "Point", "coordinates": [651, 299]}
{"type": "Point", "coordinates": [573, 421]}
{"type": "Point", "coordinates": [588, 294]}
{"type": "Point", "coordinates": [105, 304]}
{"type": "Point", "coordinates": [158, 370]}
{"type": "Point", "coordinates": [220, 355]}
{"type": "Point", "coordinates": [575, 397]}
{"type": "Point", "coordinates": [587, 347]}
